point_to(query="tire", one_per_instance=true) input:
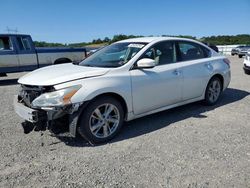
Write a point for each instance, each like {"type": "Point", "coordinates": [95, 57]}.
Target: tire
{"type": "Point", "coordinates": [247, 71]}
{"type": "Point", "coordinates": [101, 120]}
{"type": "Point", "coordinates": [3, 74]}
{"type": "Point", "coordinates": [213, 91]}
{"type": "Point", "coordinates": [240, 56]}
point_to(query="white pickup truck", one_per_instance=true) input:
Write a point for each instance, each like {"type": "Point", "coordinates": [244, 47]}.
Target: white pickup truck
{"type": "Point", "coordinates": [18, 53]}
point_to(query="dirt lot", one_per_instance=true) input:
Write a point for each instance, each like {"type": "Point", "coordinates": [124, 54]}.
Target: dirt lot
{"type": "Point", "coordinates": [191, 146]}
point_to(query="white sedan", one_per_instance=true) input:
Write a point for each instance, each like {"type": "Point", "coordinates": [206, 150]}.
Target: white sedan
{"type": "Point", "coordinates": [246, 63]}
{"type": "Point", "coordinates": [123, 81]}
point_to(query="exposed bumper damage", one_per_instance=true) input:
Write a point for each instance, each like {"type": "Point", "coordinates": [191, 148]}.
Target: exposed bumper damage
{"type": "Point", "coordinates": [55, 119]}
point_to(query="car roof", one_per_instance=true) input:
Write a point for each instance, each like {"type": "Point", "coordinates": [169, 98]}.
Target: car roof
{"type": "Point", "coordinates": [155, 39]}
{"type": "Point", "coordinates": [8, 34]}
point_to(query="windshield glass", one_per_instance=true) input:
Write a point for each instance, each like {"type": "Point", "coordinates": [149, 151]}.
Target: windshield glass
{"type": "Point", "coordinates": [114, 55]}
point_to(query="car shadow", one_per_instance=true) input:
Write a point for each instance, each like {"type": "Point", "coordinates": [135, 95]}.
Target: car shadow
{"type": "Point", "coordinates": [7, 82]}
{"type": "Point", "coordinates": [163, 119]}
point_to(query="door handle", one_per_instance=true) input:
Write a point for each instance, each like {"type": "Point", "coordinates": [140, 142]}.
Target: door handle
{"type": "Point", "coordinates": [177, 72]}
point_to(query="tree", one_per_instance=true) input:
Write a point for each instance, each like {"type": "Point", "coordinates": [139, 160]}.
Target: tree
{"type": "Point", "coordinates": [106, 39]}
{"type": "Point", "coordinates": [217, 40]}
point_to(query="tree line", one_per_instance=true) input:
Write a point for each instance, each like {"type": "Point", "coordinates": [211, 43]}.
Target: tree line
{"type": "Point", "coordinates": [216, 40]}
{"type": "Point", "coordinates": [228, 39]}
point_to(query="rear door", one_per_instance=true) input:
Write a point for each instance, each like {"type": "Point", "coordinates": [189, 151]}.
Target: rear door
{"type": "Point", "coordinates": [26, 53]}
{"type": "Point", "coordinates": [196, 68]}
{"type": "Point", "coordinates": [8, 55]}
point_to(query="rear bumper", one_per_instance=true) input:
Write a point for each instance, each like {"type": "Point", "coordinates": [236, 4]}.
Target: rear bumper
{"type": "Point", "coordinates": [234, 53]}
{"type": "Point", "coordinates": [227, 79]}
{"type": "Point", "coordinates": [242, 53]}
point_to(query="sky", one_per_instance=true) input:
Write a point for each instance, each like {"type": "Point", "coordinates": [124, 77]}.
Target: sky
{"type": "Point", "coordinates": [70, 21]}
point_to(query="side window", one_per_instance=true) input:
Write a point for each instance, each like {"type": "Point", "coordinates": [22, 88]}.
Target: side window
{"type": "Point", "coordinates": [207, 52]}
{"type": "Point", "coordinates": [5, 44]}
{"type": "Point", "coordinates": [23, 43]}
{"type": "Point", "coordinates": [26, 43]}
{"type": "Point", "coordinates": [190, 51]}
{"type": "Point", "coordinates": [163, 53]}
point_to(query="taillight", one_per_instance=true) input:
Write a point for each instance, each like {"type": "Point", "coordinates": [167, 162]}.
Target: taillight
{"type": "Point", "coordinates": [227, 61]}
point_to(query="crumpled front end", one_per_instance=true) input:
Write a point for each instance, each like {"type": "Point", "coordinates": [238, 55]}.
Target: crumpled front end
{"type": "Point", "coordinates": [41, 119]}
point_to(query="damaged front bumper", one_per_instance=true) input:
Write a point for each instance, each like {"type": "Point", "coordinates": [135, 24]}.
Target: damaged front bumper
{"type": "Point", "coordinates": [43, 119]}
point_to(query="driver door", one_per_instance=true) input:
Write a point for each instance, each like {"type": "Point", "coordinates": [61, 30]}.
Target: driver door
{"type": "Point", "coordinates": [160, 86]}
{"type": "Point", "coordinates": [8, 56]}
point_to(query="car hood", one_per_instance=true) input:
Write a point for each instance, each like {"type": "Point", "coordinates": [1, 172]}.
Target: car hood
{"type": "Point", "coordinates": [57, 74]}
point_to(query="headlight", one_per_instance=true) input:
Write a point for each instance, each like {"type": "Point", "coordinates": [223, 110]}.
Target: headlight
{"type": "Point", "coordinates": [57, 98]}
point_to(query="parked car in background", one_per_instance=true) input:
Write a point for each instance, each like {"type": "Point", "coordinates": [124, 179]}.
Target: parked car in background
{"type": "Point", "coordinates": [18, 53]}
{"type": "Point", "coordinates": [212, 46]}
{"type": "Point", "coordinates": [243, 51]}
{"type": "Point", "coordinates": [235, 50]}
{"type": "Point", "coordinates": [123, 81]}
{"type": "Point", "coordinates": [246, 63]}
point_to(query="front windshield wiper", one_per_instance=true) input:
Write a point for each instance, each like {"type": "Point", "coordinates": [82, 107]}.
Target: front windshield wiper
{"type": "Point", "coordinates": [75, 63]}
{"type": "Point", "coordinates": [88, 65]}
{"type": "Point", "coordinates": [102, 66]}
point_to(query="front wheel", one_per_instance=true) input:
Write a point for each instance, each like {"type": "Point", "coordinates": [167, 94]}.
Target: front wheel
{"type": "Point", "coordinates": [213, 91]}
{"type": "Point", "coordinates": [101, 120]}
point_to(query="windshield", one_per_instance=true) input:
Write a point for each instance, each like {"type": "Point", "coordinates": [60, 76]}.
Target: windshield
{"type": "Point", "coordinates": [114, 55]}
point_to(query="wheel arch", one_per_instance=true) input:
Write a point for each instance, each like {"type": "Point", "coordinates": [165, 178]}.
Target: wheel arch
{"type": "Point", "coordinates": [115, 96]}
{"type": "Point", "coordinates": [62, 60]}
{"type": "Point", "coordinates": [218, 75]}
{"type": "Point", "coordinates": [75, 117]}
{"type": "Point", "coordinates": [221, 78]}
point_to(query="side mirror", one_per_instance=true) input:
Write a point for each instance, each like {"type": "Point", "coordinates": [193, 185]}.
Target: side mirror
{"type": "Point", "coordinates": [146, 63]}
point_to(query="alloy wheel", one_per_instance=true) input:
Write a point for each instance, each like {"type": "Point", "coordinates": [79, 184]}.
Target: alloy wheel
{"type": "Point", "coordinates": [214, 90]}
{"type": "Point", "coordinates": [104, 120]}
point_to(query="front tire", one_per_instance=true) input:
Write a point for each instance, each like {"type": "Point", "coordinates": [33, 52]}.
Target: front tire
{"type": "Point", "coordinates": [213, 91]}
{"type": "Point", "coordinates": [101, 120]}
{"type": "Point", "coordinates": [240, 56]}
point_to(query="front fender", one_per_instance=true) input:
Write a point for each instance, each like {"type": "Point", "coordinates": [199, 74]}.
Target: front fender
{"type": "Point", "coordinates": [95, 86]}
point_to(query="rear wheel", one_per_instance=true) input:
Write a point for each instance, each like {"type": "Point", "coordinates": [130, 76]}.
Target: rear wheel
{"type": "Point", "coordinates": [213, 91]}
{"type": "Point", "coordinates": [240, 56]}
{"type": "Point", "coordinates": [101, 120]}
{"type": "Point", "coordinates": [62, 60]}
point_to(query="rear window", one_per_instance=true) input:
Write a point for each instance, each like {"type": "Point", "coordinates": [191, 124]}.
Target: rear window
{"type": "Point", "coordinates": [191, 51]}
{"type": "Point", "coordinates": [23, 43]}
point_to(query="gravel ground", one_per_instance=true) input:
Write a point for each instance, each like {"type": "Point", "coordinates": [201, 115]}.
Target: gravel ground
{"type": "Point", "coordinates": [193, 146]}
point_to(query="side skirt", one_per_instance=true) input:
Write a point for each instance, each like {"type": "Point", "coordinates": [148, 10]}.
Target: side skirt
{"type": "Point", "coordinates": [132, 116]}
